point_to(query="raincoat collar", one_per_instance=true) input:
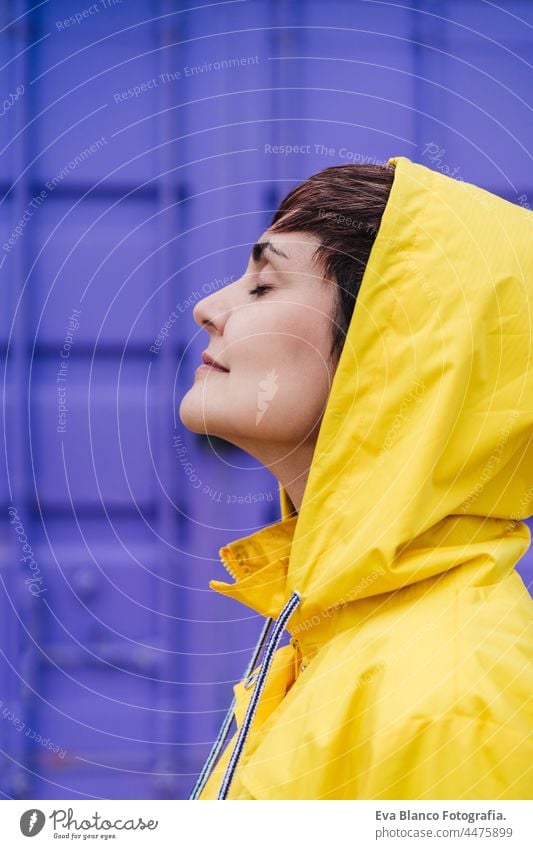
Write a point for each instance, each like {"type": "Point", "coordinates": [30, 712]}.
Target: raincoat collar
{"type": "Point", "coordinates": [259, 566]}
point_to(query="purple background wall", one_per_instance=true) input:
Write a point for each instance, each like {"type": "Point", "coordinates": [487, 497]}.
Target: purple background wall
{"type": "Point", "coordinates": [129, 207]}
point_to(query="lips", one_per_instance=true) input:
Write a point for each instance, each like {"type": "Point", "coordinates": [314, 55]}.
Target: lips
{"type": "Point", "coordinates": [209, 367]}
{"type": "Point", "coordinates": [212, 363]}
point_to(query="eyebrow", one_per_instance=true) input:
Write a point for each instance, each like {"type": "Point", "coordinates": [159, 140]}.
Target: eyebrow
{"type": "Point", "coordinates": [260, 247]}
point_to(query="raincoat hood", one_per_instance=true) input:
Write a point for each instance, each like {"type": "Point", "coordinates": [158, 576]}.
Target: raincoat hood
{"type": "Point", "coordinates": [425, 450]}
{"type": "Point", "coordinates": [423, 467]}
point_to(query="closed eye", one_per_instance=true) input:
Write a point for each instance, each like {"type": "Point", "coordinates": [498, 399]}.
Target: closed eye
{"type": "Point", "coordinates": [259, 290]}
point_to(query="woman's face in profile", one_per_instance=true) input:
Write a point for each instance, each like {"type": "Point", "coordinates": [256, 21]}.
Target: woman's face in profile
{"type": "Point", "coordinates": [272, 331]}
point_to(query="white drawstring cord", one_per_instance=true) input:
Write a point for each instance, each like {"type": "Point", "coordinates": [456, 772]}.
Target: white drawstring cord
{"type": "Point", "coordinates": [226, 725]}
{"type": "Point", "coordinates": [270, 650]}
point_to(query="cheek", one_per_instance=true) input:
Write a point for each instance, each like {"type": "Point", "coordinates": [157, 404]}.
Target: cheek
{"type": "Point", "coordinates": [299, 378]}
{"type": "Point", "coordinates": [308, 341]}
{"type": "Point", "coordinates": [285, 335]}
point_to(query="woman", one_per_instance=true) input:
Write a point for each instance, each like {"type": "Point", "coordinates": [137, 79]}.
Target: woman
{"type": "Point", "coordinates": [400, 432]}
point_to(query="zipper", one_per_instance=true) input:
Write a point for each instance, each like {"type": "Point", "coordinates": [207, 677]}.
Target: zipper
{"type": "Point", "coordinates": [296, 645]}
{"type": "Point", "coordinates": [222, 554]}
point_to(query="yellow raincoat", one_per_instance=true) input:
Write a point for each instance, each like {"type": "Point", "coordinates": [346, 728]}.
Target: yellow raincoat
{"type": "Point", "coordinates": [408, 674]}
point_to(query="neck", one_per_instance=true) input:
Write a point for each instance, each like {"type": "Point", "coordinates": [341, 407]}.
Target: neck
{"type": "Point", "coordinates": [290, 464]}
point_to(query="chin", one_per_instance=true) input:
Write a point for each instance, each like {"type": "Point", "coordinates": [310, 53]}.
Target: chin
{"type": "Point", "coordinates": [196, 418]}
{"type": "Point", "coordinates": [190, 417]}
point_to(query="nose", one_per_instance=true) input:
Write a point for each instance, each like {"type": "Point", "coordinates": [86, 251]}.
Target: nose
{"type": "Point", "coordinates": [212, 312]}
{"type": "Point", "coordinates": [208, 313]}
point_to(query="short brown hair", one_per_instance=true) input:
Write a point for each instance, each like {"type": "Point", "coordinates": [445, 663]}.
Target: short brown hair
{"type": "Point", "coordinates": [342, 206]}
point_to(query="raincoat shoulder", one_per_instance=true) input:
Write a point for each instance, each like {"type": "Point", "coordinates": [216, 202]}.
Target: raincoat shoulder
{"type": "Point", "coordinates": [425, 699]}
